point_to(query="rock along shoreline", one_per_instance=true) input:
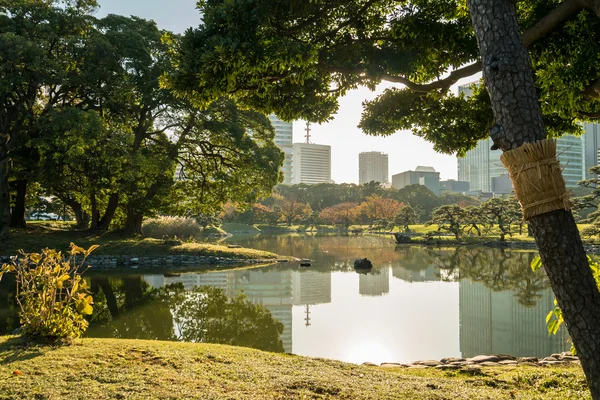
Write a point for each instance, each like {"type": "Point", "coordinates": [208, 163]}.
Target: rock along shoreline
{"type": "Point", "coordinates": [108, 262]}
{"type": "Point", "coordinates": [475, 363]}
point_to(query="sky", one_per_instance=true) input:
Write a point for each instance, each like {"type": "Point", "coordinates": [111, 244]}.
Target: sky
{"type": "Point", "coordinates": [405, 150]}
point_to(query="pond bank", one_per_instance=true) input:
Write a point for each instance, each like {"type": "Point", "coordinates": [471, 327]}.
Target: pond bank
{"type": "Point", "coordinates": [132, 369]}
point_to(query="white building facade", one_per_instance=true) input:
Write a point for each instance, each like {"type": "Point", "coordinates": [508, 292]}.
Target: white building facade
{"type": "Point", "coordinates": [311, 163]}
{"type": "Point", "coordinates": [284, 136]}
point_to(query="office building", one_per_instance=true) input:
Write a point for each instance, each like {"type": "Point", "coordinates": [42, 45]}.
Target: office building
{"type": "Point", "coordinates": [311, 163]}
{"type": "Point", "coordinates": [426, 176]}
{"type": "Point", "coordinates": [283, 139]}
{"type": "Point", "coordinates": [372, 167]}
{"type": "Point", "coordinates": [482, 168]}
{"type": "Point", "coordinates": [453, 186]}
{"type": "Point", "coordinates": [591, 139]}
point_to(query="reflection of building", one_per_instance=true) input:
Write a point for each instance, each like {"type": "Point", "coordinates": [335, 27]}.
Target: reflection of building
{"type": "Point", "coordinates": [430, 273]}
{"type": "Point", "coordinates": [311, 163]}
{"type": "Point", "coordinates": [372, 167]}
{"type": "Point", "coordinates": [283, 140]}
{"type": "Point", "coordinates": [375, 283]}
{"type": "Point", "coordinates": [189, 281]}
{"type": "Point", "coordinates": [494, 323]}
{"type": "Point", "coordinates": [426, 176]}
{"type": "Point", "coordinates": [273, 290]}
{"type": "Point", "coordinates": [311, 287]}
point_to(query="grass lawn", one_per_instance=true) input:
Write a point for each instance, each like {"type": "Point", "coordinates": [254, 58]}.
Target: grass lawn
{"type": "Point", "coordinates": [37, 238]}
{"type": "Point", "coordinates": [136, 369]}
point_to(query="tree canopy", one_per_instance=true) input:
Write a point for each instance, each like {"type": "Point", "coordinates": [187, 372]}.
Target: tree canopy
{"type": "Point", "coordinates": [297, 58]}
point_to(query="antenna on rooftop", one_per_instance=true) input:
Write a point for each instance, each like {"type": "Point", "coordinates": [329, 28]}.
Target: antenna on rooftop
{"type": "Point", "coordinates": [307, 136]}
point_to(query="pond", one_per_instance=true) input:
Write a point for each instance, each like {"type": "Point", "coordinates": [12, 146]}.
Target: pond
{"type": "Point", "coordinates": [416, 303]}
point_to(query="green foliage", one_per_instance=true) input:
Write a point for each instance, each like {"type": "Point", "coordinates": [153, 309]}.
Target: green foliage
{"type": "Point", "coordinates": [554, 319]}
{"type": "Point", "coordinates": [405, 216]}
{"type": "Point", "coordinates": [449, 218]}
{"type": "Point", "coordinates": [52, 296]}
{"type": "Point", "coordinates": [297, 59]}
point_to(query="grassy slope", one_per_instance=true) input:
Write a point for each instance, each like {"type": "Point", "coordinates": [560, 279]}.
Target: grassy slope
{"type": "Point", "coordinates": [129, 369]}
{"type": "Point", "coordinates": [32, 240]}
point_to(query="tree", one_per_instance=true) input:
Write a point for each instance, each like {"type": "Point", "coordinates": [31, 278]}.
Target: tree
{"type": "Point", "coordinates": [297, 58]}
{"type": "Point", "coordinates": [293, 210]}
{"type": "Point", "coordinates": [36, 39]}
{"type": "Point", "coordinates": [473, 219]}
{"type": "Point", "coordinates": [405, 217]}
{"type": "Point", "coordinates": [376, 207]}
{"type": "Point", "coordinates": [502, 212]}
{"type": "Point", "coordinates": [449, 218]}
{"type": "Point", "coordinates": [344, 214]}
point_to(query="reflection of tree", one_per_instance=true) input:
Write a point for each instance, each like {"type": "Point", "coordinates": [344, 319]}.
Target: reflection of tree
{"type": "Point", "coordinates": [129, 308]}
{"type": "Point", "coordinates": [9, 310]}
{"type": "Point", "coordinates": [207, 315]}
{"type": "Point", "coordinates": [498, 270]}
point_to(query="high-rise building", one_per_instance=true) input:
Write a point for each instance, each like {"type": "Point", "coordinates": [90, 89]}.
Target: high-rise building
{"type": "Point", "coordinates": [482, 168]}
{"type": "Point", "coordinates": [426, 176]}
{"type": "Point", "coordinates": [372, 166]}
{"type": "Point", "coordinates": [311, 163]}
{"type": "Point", "coordinates": [284, 135]}
{"type": "Point", "coordinates": [591, 139]}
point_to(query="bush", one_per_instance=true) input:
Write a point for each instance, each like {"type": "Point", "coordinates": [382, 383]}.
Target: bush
{"type": "Point", "coordinates": [170, 227]}
{"type": "Point", "coordinates": [52, 296]}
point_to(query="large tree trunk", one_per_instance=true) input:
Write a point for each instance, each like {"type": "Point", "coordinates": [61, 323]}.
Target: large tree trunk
{"type": "Point", "coordinates": [4, 197]}
{"type": "Point", "coordinates": [17, 217]}
{"type": "Point", "coordinates": [109, 214]}
{"type": "Point", "coordinates": [133, 224]}
{"type": "Point", "coordinates": [518, 120]}
{"type": "Point", "coordinates": [81, 217]}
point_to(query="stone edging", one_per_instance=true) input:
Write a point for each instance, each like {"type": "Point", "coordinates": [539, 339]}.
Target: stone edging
{"type": "Point", "coordinates": [104, 262]}
{"type": "Point", "coordinates": [497, 360]}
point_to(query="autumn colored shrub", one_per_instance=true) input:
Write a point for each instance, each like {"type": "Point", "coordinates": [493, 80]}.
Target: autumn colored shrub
{"type": "Point", "coordinates": [51, 293]}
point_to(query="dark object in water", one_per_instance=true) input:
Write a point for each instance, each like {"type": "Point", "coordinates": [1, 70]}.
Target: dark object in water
{"type": "Point", "coordinates": [363, 264]}
{"type": "Point", "coordinates": [401, 239]}
{"type": "Point", "coordinates": [305, 262]}
{"type": "Point", "coordinates": [171, 274]}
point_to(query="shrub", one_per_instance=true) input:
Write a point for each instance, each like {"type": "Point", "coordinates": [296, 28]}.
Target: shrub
{"type": "Point", "coordinates": [52, 296]}
{"type": "Point", "coordinates": [171, 226]}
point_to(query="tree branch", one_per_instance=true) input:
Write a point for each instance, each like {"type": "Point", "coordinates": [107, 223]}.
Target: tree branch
{"type": "Point", "coordinates": [557, 16]}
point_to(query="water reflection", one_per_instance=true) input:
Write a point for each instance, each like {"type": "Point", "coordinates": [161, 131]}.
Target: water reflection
{"type": "Point", "coordinates": [131, 308]}
{"type": "Point", "coordinates": [416, 303]}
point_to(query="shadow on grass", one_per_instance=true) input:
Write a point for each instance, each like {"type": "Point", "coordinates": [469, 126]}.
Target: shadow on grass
{"type": "Point", "coordinates": [18, 349]}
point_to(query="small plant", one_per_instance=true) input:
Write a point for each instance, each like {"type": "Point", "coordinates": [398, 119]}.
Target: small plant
{"type": "Point", "coordinates": [554, 319]}
{"type": "Point", "coordinates": [53, 297]}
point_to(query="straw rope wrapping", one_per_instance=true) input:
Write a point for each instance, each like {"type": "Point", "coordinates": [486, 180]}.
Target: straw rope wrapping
{"type": "Point", "coordinates": [537, 178]}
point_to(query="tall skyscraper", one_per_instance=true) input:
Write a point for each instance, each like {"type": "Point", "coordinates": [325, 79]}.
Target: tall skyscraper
{"type": "Point", "coordinates": [481, 166]}
{"type": "Point", "coordinates": [284, 135]}
{"type": "Point", "coordinates": [591, 140]}
{"type": "Point", "coordinates": [372, 166]}
{"type": "Point", "coordinates": [311, 163]}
